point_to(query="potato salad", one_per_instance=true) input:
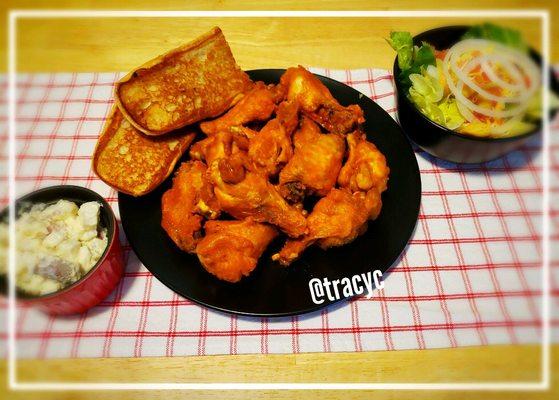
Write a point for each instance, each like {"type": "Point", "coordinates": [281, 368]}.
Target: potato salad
{"type": "Point", "coordinates": [56, 244]}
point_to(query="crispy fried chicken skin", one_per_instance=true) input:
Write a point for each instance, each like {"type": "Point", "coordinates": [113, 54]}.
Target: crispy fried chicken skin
{"type": "Point", "coordinates": [184, 206]}
{"type": "Point", "coordinates": [342, 215]}
{"type": "Point", "coordinates": [315, 164]}
{"type": "Point", "coordinates": [271, 148]}
{"type": "Point", "coordinates": [257, 105]}
{"type": "Point", "coordinates": [243, 193]}
{"type": "Point", "coordinates": [365, 168]}
{"type": "Point", "coordinates": [279, 145]}
{"type": "Point", "coordinates": [318, 103]}
{"type": "Point", "coordinates": [221, 145]}
{"type": "Point", "coordinates": [337, 219]}
{"type": "Point", "coordinates": [231, 249]}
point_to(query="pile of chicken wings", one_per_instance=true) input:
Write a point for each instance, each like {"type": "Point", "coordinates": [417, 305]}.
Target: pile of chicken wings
{"type": "Point", "coordinates": [261, 164]}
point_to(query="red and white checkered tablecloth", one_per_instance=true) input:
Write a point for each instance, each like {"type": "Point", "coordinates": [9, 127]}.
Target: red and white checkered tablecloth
{"type": "Point", "coordinates": [471, 274]}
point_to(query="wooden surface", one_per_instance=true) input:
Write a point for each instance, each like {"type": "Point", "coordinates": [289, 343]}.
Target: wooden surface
{"type": "Point", "coordinates": [118, 45]}
{"type": "Point", "coordinates": [382, 366]}
{"type": "Point", "coordinates": [474, 364]}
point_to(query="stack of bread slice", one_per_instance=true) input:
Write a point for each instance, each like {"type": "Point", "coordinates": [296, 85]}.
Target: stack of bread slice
{"type": "Point", "coordinates": [157, 108]}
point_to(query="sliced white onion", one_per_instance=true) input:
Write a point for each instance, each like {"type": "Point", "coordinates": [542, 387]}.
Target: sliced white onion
{"type": "Point", "coordinates": [513, 62]}
{"type": "Point", "coordinates": [486, 66]}
{"type": "Point", "coordinates": [523, 93]}
{"type": "Point", "coordinates": [468, 67]}
{"type": "Point", "coordinates": [465, 111]}
{"type": "Point", "coordinates": [489, 112]}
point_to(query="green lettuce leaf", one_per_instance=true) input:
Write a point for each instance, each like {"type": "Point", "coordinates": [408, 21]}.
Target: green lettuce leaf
{"type": "Point", "coordinates": [422, 57]}
{"type": "Point", "coordinates": [427, 86]}
{"type": "Point", "coordinates": [507, 36]}
{"type": "Point", "coordinates": [402, 42]}
{"type": "Point", "coordinates": [452, 116]}
{"type": "Point", "coordinates": [411, 59]}
{"type": "Point", "coordinates": [426, 92]}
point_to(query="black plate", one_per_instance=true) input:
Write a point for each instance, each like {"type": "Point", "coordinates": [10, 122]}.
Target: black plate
{"type": "Point", "coordinates": [272, 290]}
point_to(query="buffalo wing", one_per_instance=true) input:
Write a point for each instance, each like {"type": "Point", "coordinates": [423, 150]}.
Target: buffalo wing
{"type": "Point", "coordinates": [231, 249]}
{"type": "Point", "coordinates": [184, 206]}
{"type": "Point", "coordinates": [318, 103]}
{"type": "Point", "coordinates": [315, 164]}
{"type": "Point", "coordinates": [365, 169]}
{"type": "Point", "coordinates": [336, 219]}
{"type": "Point", "coordinates": [271, 148]}
{"type": "Point", "coordinates": [256, 105]}
{"type": "Point", "coordinates": [243, 193]}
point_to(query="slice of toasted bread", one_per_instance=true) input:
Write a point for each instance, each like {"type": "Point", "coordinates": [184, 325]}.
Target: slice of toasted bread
{"type": "Point", "coordinates": [132, 162]}
{"type": "Point", "coordinates": [193, 82]}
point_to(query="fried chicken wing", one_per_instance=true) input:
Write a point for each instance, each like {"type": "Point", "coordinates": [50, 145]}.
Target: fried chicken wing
{"type": "Point", "coordinates": [271, 148]}
{"type": "Point", "coordinates": [336, 219]}
{"type": "Point", "coordinates": [243, 193]}
{"type": "Point", "coordinates": [184, 206]}
{"type": "Point", "coordinates": [231, 249]}
{"type": "Point", "coordinates": [288, 114]}
{"type": "Point", "coordinates": [365, 168]}
{"type": "Point", "coordinates": [256, 105]}
{"type": "Point", "coordinates": [315, 164]}
{"type": "Point", "coordinates": [318, 103]}
{"type": "Point", "coordinates": [343, 214]}
{"type": "Point", "coordinates": [221, 145]}
{"type": "Point", "coordinates": [260, 159]}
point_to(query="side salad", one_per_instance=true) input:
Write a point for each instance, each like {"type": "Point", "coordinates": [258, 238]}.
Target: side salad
{"type": "Point", "coordinates": [485, 85]}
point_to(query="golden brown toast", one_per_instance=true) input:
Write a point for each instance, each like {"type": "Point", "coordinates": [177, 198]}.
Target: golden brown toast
{"type": "Point", "coordinates": [132, 162]}
{"type": "Point", "coordinates": [193, 82]}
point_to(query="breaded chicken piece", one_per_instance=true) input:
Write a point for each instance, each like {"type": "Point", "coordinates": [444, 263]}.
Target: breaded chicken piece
{"type": "Point", "coordinates": [342, 215]}
{"type": "Point", "coordinates": [221, 145]}
{"type": "Point", "coordinates": [257, 105]}
{"type": "Point", "coordinates": [336, 219]}
{"type": "Point", "coordinates": [271, 148]}
{"type": "Point", "coordinates": [230, 249]}
{"type": "Point", "coordinates": [243, 193]}
{"type": "Point", "coordinates": [318, 103]}
{"type": "Point", "coordinates": [365, 168]}
{"type": "Point", "coordinates": [184, 206]}
{"type": "Point", "coordinates": [315, 164]}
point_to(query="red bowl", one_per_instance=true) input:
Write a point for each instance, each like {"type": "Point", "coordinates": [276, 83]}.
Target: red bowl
{"type": "Point", "coordinates": [94, 286]}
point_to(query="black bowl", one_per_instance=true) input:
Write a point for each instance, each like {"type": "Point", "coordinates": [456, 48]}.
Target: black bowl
{"type": "Point", "coordinates": [442, 142]}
